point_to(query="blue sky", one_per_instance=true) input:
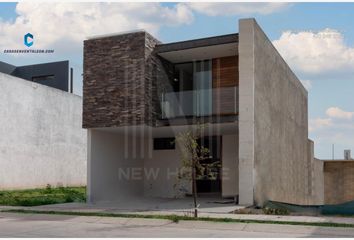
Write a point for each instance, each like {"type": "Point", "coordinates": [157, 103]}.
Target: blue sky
{"type": "Point", "coordinates": [330, 84]}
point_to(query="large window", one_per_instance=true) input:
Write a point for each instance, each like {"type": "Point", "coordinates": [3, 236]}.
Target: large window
{"type": "Point", "coordinates": [202, 85]}
{"type": "Point", "coordinates": [193, 88]}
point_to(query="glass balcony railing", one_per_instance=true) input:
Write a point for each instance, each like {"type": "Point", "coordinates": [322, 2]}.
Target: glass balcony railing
{"type": "Point", "coordinates": [199, 103]}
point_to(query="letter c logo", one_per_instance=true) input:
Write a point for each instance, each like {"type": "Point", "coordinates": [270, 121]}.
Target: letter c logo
{"type": "Point", "coordinates": [28, 39]}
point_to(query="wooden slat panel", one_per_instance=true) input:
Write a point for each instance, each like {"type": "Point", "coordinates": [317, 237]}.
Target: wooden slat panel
{"type": "Point", "coordinates": [225, 72]}
{"type": "Point", "coordinates": [224, 101]}
{"type": "Point", "coordinates": [225, 79]}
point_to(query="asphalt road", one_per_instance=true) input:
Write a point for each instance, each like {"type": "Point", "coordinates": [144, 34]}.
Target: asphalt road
{"type": "Point", "coordinates": [41, 225]}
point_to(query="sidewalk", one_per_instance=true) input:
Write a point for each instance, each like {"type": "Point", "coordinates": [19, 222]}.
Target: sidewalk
{"type": "Point", "coordinates": [49, 225]}
{"type": "Point", "coordinates": [91, 208]}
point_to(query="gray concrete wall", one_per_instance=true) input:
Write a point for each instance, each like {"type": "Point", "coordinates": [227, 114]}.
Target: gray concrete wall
{"type": "Point", "coordinates": [41, 139]}
{"type": "Point", "coordinates": [318, 194]}
{"type": "Point", "coordinates": [229, 163]}
{"type": "Point", "coordinates": [115, 166]}
{"type": "Point", "coordinates": [246, 112]}
{"type": "Point", "coordinates": [164, 182]}
{"type": "Point", "coordinates": [149, 173]}
{"type": "Point", "coordinates": [273, 124]}
{"type": "Point", "coordinates": [316, 177]}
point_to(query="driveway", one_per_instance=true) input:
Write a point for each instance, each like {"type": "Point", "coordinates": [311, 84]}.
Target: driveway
{"type": "Point", "coordinates": [42, 225]}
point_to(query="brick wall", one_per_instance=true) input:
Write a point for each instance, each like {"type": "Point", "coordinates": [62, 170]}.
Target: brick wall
{"type": "Point", "coordinates": [121, 80]}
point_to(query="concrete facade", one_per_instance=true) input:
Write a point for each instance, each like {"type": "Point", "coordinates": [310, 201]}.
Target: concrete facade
{"type": "Point", "coordinates": [163, 166]}
{"type": "Point", "coordinates": [273, 124]}
{"type": "Point", "coordinates": [230, 177]}
{"type": "Point", "coordinates": [316, 179]}
{"type": "Point", "coordinates": [108, 155]}
{"type": "Point", "coordinates": [318, 182]}
{"type": "Point", "coordinates": [41, 139]}
{"type": "Point", "coordinates": [246, 112]}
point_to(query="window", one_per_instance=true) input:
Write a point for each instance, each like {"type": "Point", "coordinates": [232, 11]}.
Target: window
{"type": "Point", "coordinates": [42, 78]}
{"type": "Point", "coordinates": [164, 143]}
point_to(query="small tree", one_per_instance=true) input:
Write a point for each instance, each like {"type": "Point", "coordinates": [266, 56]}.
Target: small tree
{"type": "Point", "coordinates": [193, 154]}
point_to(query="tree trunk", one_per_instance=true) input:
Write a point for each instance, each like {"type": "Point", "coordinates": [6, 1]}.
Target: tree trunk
{"type": "Point", "coordinates": [194, 189]}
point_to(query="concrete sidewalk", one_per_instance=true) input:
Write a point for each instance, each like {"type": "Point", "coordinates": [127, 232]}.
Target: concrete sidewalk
{"type": "Point", "coordinates": [216, 212]}
{"type": "Point", "coordinates": [47, 225]}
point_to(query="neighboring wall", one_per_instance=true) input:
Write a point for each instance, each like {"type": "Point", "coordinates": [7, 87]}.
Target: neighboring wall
{"type": "Point", "coordinates": [273, 124]}
{"type": "Point", "coordinates": [338, 181]}
{"type": "Point", "coordinates": [41, 139]}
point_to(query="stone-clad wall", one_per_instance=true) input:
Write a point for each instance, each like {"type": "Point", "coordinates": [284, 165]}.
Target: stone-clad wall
{"type": "Point", "coordinates": [158, 74]}
{"type": "Point", "coordinates": [121, 75]}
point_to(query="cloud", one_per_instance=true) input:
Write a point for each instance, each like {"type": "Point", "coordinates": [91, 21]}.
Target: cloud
{"type": "Point", "coordinates": [66, 25]}
{"type": "Point", "coordinates": [336, 112]}
{"type": "Point", "coordinates": [336, 129]}
{"type": "Point", "coordinates": [319, 52]}
{"type": "Point", "coordinates": [328, 131]}
{"type": "Point", "coordinates": [319, 123]}
{"type": "Point", "coordinates": [63, 26]}
{"type": "Point", "coordinates": [333, 120]}
{"type": "Point", "coordinates": [222, 9]}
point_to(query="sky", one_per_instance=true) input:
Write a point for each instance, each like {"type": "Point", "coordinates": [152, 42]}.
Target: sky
{"type": "Point", "coordinates": [315, 39]}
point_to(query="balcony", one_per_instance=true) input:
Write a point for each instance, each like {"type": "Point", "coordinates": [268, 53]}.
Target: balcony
{"type": "Point", "coordinates": [199, 103]}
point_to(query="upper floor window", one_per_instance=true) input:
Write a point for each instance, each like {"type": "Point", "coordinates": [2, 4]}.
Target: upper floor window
{"type": "Point", "coordinates": [42, 78]}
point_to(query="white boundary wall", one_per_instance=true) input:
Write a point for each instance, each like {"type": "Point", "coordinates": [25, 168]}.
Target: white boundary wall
{"type": "Point", "coordinates": [41, 138]}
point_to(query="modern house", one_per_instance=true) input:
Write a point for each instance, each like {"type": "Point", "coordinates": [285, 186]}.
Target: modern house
{"type": "Point", "coordinates": [139, 94]}
{"type": "Point", "coordinates": [41, 137]}
{"type": "Point", "coordinates": [54, 74]}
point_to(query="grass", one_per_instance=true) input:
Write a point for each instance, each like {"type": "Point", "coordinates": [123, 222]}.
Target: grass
{"type": "Point", "coordinates": [36, 197]}
{"type": "Point", "coordinates": [177, 218]}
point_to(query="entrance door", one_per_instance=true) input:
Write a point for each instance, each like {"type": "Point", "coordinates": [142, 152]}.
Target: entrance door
{"type": "Point", "coordinates": [209, 178]}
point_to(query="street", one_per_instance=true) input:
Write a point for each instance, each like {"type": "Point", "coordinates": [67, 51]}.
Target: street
{"type": "Point", "coordinates": [41, 225]}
